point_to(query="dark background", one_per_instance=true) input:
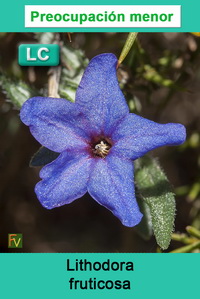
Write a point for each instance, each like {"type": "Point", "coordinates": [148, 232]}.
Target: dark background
{"type": "Point", "coordinates": [85, 226]}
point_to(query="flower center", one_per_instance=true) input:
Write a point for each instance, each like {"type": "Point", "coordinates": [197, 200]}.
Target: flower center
{"type": "Point", "coordinates": [101, 149]}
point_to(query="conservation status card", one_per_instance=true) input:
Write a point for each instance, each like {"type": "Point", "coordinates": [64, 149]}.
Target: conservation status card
{"type": "Point", "coordinates": [99, 149]}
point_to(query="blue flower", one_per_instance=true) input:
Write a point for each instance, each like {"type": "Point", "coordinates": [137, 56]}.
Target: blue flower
{"type": "Point", "coordinates": [98, 140]}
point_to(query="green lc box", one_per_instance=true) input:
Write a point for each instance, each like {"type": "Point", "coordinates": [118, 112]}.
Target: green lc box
{"type": "Point", "coordinates": [38, 55]}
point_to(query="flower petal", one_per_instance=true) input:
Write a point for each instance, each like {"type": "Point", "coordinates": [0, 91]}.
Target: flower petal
{"type": "Point", "coordinates": [55, 123]}
{"type": "Point", "coordinates": [111, 185]}
{"type": "Point", "coordinates": [135, 136]}
{"type": "Point", "coordinates": [99, 95]}
{"type": "Point", "coordinates": [63, 180]}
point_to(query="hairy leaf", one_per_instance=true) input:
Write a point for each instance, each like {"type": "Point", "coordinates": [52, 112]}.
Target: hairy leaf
{"type": "Point", "coordinates": [156, 192]}
{"type": "Point", "coordinates": [45, 37]}
{"type": "Point", "coordinates": [144, 228]}
{"type": "Point", "coordinates": [74, 63]}
{"type": "Point", "coordinates": [16, 91]}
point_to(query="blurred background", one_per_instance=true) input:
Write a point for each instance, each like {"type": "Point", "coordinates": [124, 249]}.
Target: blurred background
{"type": "Point", "coordinates": [161, 81]}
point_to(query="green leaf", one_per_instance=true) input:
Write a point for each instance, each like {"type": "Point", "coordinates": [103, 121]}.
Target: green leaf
{"type": "Point", "coordinates": [74, 62]}
{"type": "Point", "coordinates": [67, 88]}
{"type": "Point", "coordinates": [144, 228]}
{"type": "Point", "coordinates": [45, 37]}
{"type": "Point", "coordinates": [156, 192]}
{"type": "Point", "coordinates": [16, 91]}
{"type": "Point", "coordinates": [128, 45]}
{"type": "Point", "coordinates": [43, 156]}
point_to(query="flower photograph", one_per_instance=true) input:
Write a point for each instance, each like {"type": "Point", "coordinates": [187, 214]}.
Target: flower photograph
{"type": "Point", "coordinates": [100, 153]}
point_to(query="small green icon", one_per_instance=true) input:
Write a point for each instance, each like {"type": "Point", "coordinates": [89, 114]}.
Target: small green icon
{"type": "Point", "coordinates": [38, 55]}
{"type": "Point", "coordinates": [14, 240]}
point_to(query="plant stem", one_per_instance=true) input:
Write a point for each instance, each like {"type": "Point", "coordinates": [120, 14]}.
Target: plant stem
{"type": "Point", "coordinates": [187, 248]}
{"type": "Point", "coordinates": [183, 238]}
{"type": "Point", "coordinates": [53, 81]}
{"type": "Point", "coordinates": [193, 231]}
